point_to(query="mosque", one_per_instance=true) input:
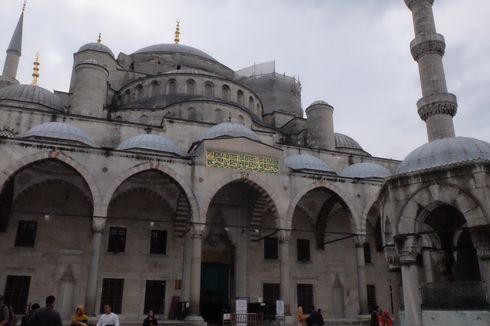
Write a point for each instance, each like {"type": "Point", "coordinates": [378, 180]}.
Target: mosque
{"type": "Point", "coordinates": [164, 180]}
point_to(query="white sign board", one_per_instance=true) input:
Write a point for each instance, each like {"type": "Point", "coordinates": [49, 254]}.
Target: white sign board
{"type": "Point", "coordinates": [241, 309]}
{"type": "Point", "coordinates": [279, 307]}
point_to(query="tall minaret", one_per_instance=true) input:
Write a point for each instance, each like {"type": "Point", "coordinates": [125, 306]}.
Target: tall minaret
{"type": "Point", "coordinates": [14, 52]}
{"type": "Point", "coordinates": [436, 107]}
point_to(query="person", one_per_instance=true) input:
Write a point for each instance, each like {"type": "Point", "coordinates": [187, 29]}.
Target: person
{"type": "Point", "coordinates": [12, 317]}
{"type": "Point", "coordinates": [314, 318]}
{"type": "Point", "coordinates": [150, 320]}
{"type": "Point", "coordinates": [322, 322]}
{"type": "Point", "coordinates": [387, 321]}
{"type": "Point", "coordinates": [108, 318]}
{"type": "Point", "coordinates": [4, 312]}
{"type": "Point", "coordinates": [28, 316]}
{"type": "Point", "coordinates": [46, 316]}
{"type": "Point", "coordinates": [374, 317]}
{"type": "Point", "coordinates": [79, 318]}
{"type": "Point", "coordinates": [300, 317]}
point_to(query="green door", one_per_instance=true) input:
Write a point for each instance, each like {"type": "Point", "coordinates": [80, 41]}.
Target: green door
{"type": "Point", "coordinates": [214, 290]}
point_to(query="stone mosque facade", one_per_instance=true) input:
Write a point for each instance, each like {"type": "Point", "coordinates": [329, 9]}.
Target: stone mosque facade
{"type": "Point", "coordinates": [165, 180]}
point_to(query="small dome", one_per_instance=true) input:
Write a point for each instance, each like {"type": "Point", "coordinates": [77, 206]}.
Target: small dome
{"type": "Point", "coordinates": [306, 162]}
{"type": "Point", "coordinates": [150, 142]}
{"type": "Point", "coordinates": [60, 131]}
{"type": "Point", "coordinates": [31, 94]}
{"type": "Point", "coordinates": [447, 151]}
{"type": "Point", "coordinates": [344, 141]}
{"type": "Point", "coordinates": [96, 46]}
{"type": "Point", "coordinates": [229, 129]}
{"type": "Point", "coordinates": [174, 48]}
{"type": "Point", "coordinates": [365, 170]}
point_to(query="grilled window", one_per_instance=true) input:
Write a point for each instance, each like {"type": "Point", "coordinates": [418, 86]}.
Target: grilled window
{"type": "Point", "coordinates": [305, 296]}
{"type": "Point", "coordinates": [270, 248]}
{"type": "Point", "coordinates": [155, 296]}
{"type": "Point", "coordinates": [17, 292]}
{"type": "Point", "coordinates": [112, 294]}
{"type": "Point", "coordinates": [158, 244]}
{"type": "Point", "coordinates": [271, 292]}
{"type": "Point", "coordinates": [378, 237]}
{"type": "Point", "coordinates": [371, 296]}
{"type": "Point", "coordinates": [303, 249]}
{"type": "Point", "coordinates": [367, 252]}
{"type": "Point", "coordinates": [26, 234]}
{"type": "Point", "coordinates": [117, 240]}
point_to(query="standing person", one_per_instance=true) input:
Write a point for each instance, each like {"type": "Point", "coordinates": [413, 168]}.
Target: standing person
{"type": "Point", "coordinates": [46, 316]}
{"type": "Point", "coordinates": [387, 319]}
{"type": "Point", "coordinates": [28, 316]}
{"type": "Point", "coordinates": [150, 320]}
{"type": "Point", "coordinates": [314, 318]}
{"type": "Point", "coordinates": [4, 312]}
{"type": "Point", "coordinates": [320, 317]}
{"type": "Point", "coordinates": [79, 318]}
{"type": "Point", "coordinates": [374, 317]}
{"type": "Point", "coordinates": [300, 317]}
{"type": "Point", "coordinates": [108, 318]}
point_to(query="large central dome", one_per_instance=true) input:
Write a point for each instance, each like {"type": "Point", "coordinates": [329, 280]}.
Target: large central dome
{"type": "Point", "coordinates": [174, 48]}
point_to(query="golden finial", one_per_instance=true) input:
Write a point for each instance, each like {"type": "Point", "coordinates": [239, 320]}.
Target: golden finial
{"type": "Point", "coordinates": [35, 70]}
{"type": "Point", "coordinates": [177, 33]}
{"type": "Point", "coordinates": [24, 6]}
{"type": "Point", "coordinates": [99, 39]}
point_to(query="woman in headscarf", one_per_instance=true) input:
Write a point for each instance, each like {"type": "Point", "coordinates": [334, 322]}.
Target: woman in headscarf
{"type": "Point", "coordinates": [79, 318]}
{"type": "Point", "coordinates": [300, 317]}
{"type": "Point", "coordinates": [387, 319]}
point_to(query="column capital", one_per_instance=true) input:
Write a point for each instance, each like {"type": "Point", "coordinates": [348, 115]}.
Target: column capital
{"type": "Point", "coordinates": [411, 3]}
{"type": "Point", "coordinates": [197, 230]}
{"type": "Point", "coordinates": [360, 240]}
{"type": "Point", "coordinates": [284, 236]}
{"type": "Point", "coordinates": [392, 258]}
{"type": "Point", "coordinates": [98, 224]}
{"type": "Point", "coordinates": [407, 248]}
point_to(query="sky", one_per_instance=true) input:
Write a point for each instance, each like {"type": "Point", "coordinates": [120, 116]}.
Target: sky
{"type": "Point", "coordinates": [354, 54]}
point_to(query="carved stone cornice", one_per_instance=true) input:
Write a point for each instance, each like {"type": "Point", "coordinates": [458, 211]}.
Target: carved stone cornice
{"type": "Point", "coordinates": [408, 248]}
{"type": "Point", "coordinates": [444, 103]}
{"type": "Point", "coordinates": [392, 258]}
{"type": "Point", "coordinates": [482, 248]}
{"type": "Point", "coordinates": [427, 44]}
{"type": "Point", "coordinates": [411, 3]}
{"type": "Point", "coordinates": [284, 236]}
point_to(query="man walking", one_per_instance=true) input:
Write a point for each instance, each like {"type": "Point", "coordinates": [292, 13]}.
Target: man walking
{"type": "Point", "coordinates": [108, 318]}
{"type": "Point", "coordinates": [46, 316]}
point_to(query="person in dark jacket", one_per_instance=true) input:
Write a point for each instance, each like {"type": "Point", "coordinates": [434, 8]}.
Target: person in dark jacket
{"type": "Point", "coordinates": [374, 316]}
{"type": "Point", "coordinates": [150, 320]}
{"type": "Point", "coordinates": [31, 312]}
{"type": "Point", "coordinates": [315, 318]}
{"type": "Point", "coordinates": [46, 316]}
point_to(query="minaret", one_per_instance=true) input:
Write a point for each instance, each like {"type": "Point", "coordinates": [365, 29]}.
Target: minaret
{"type": "Point", "coordinates": [14, 51]}
{"type": "Point", "coordinates": [436, 107]}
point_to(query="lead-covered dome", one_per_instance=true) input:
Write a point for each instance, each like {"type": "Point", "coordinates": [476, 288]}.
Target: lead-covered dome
{"type": "Point", "coordinates": [150, 142]}
{"type": "Point", "coordinates": [174, 48]}
{"type": "Point", "coordinates": [29, 94]}
{"type": "Point", "coordinates": [344, 141]}
{"type": "Point", "coordinates": [306, 162]}
{"type": "Point", "coordinates": [365, 170]}
{"type": "Point", "coordinates": [59, 131]}
{"type": "Point", "coordinates": [443, 152]}
{"type": "Point", "coordinates": [96, 46]}
{"type": "Point", "coordinates": [229, 129]}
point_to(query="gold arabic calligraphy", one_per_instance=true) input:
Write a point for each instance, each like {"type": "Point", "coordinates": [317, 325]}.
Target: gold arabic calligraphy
{"type": "Point", "coordinates": [243, 162]}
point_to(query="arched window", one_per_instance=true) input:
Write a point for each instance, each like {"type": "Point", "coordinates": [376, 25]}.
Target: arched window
{"type": "Point", "coordinates": [172, 87]}
{"type": "Point", "coordinates": [258, 110]}
{"type": "Point", "coordinates": [209, 89]}
{"type": "Point", "coordinates": [251, 105]}
{"type": "Point", "coordinates": [153, 91]}
{"type": "Point", "coordinates": [241, 119]}
{"type": "Point", "coordinates": [219, 116]}
{"type": "Point", "coordinates": [191, 114]}
{"type": "Point", "coordinates": [139, 92]}
{"type": "Point", "coordinates": [126, 97]}
{"type": "Point", "coordinates": [239, 97]}
{"type": "Point", "coordinates": [225, 92]}
{"type": "Point", "coordinates": [191, 87]}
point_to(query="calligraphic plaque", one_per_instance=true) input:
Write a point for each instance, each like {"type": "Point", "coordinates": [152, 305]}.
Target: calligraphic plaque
{"type": "Point", "coordinates": [243, 162]}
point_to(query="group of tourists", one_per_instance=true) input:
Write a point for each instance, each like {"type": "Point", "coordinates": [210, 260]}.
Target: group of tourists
{"type": "Point", "coordinates": [314, 318]}
{"type": "Point", "coordinates": [380, 318]}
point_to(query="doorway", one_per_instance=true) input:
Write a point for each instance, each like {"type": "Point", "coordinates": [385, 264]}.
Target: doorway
{"type": "Point", "coordinates": [215, 291]}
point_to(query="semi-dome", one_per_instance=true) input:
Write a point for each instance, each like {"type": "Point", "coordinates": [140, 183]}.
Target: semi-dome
{"type": "Point", "coordinates": [59, 131]}
{"type": "Point", "coordinates": [365, 170]}
{"type": "Point", "coordinates": [447, 151]}
{"type": "Point", "coordinates": [306, 162]}
{"type": "Point", "coordinates": [344, 141]}
{"type": "Point", "coordinates": [174, 48]}
{"type": "Point", "coordinates": [150, 142]}
{"type": "Point", "coordinates": [229, 129]}
{"type": "Point", "coordinates": [31, 94]}
{"type": "Point", "coordinates": [96, 46]}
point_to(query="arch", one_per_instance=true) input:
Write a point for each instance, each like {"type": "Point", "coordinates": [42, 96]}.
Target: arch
{"type": "Point", "coordinates": [418, 206]}
{"type": "Point", "coordinates": [8, 172]}
{"type": "Point", "coordinates": [190, 87]}
{"type": "Point", "coordinates": [151, 166]}
{"type": "Point", "coordinates": [209, 89]}
{"type": "Point", "coordinates": [172, 86]}
{"type": "Point", "coordinates": [239, 97]}
{"type": "Point", "coordinates": [191, 114]}
{"type": "Point", "coordinates": [153, 88]}
{"type": "Point", "coordinates": [374, 203]}
{"type": "Point", "coordinates": [219, 116]}
{"type": "Point", "coordinates": [329, 187]}
{"type": "Point", "coordinates": [225, 92]}
{"type": "Point", "coordinates": [251, 105]}
{"type": "Point", "coordinates": [139, 92]}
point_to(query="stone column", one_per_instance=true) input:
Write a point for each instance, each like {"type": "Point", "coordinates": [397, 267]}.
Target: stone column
{"type": "Point", "coordinates": [407, 253]}
{"type": "Point", "coordinates": [284, 238]}
{"type": "Point", "coordinates": [482, 245]}
{"type": "Point", "coordinates": [429, 275]}
{"type": "Point", "coordinates": [186, 273]}
{"type": "Point", "coordinates": [195, 286]}
{"type": "Point", "coordinates": [98, 225]}
{"type": "Point", "coordinates": [361, 275]}
{"type": "Point", "coordinates": [241, 264]}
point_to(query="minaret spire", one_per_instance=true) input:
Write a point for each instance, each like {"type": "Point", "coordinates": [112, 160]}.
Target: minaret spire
{"type": "Point", "coordinates": [35, 70]}
{"type": "Point", "coordinates": [99, 39]}
{"type": "Point", "coordinates": [14, 51]}
{"type": "Point", "coordinates": [436, 107]}
{"type": "Point", "coordinates": [177, 33]}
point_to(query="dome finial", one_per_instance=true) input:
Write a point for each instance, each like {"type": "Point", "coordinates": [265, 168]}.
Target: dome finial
{"type": "Point", "coordinates": [35, 70]}
{"type": "Point", "coordinates": [24, 6]}
{"type": "Point", "coordinates": [177, 33]}
{"type": "Point", "coordinates": [99, 39]}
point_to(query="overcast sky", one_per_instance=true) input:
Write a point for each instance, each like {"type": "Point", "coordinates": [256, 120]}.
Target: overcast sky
{"type": "Point", "coordinates": [353, 54]}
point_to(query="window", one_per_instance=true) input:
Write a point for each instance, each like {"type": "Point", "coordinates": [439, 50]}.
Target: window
{"type": "Point", "coordinates": [367, 253]}
{"type": "Point", "coordinates": [303, 249]}
{"type": "Point", "coordinates": [371, 297]}
{"type": "Point", "coordinates": [112, 293]}
{"type": "Point", "coordinates": [172, 86]}
{"type": "Point", "coordinates": [155, 296]}
{"type": "Point", "coordinates": [305, 296]}
{"type": "Point", "coordinates": [271, 292]}
{"type": "Point", "coordinates": [17, 292]}
{"type": "Point", "coordinates": [158, 244]}
{"type": "Point", "coordinates": [219, 116]}
{"type": "Point", "coordinates": [191, 114]}
{"type": "Point", "coordinates": [191, 86]}
{"type": "Point", "coordinates": [377, 236]}
{"type": "Point", "coordinates": [26, 234]}
{"type": "Point", "coordinates": [239, 97]}
{"type": "Point", "coordinates": [270, 248]}
{"type": "Point", "coordinates": [117, 240]}
{"type": "Point", "coordinates": [251, 104]}
{"type": "Point", "coordinates": [225, 92]}
{"type": "Point", "coordinates": [209, 89]}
